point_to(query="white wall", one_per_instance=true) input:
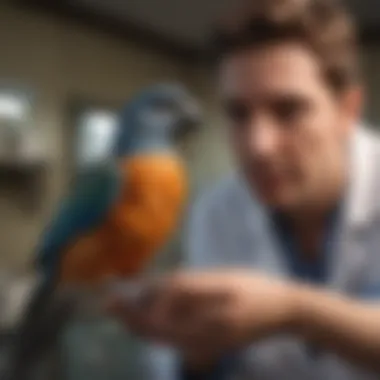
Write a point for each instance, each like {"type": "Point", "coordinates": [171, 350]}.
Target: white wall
{"type": "Point", "coordinates": [371, 65]}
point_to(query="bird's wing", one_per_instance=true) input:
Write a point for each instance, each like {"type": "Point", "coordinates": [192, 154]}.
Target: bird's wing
{"type": "Point", "coordinates": [93, 193]}
{"type": "Point", "coordinates": [90, 198]}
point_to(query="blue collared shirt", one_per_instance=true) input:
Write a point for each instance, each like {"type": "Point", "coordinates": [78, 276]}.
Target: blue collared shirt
{"type": "Point", "coordinates": [315, 271]}
{"type": "Point", "coordinates": [222, 371]}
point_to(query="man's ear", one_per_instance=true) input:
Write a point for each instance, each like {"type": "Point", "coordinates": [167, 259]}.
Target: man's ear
{"type": "Point", "coordinates": [352, 105]}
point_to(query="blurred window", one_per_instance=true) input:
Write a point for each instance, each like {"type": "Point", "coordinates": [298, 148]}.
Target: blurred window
{"type": "Point", "coordinates": [13, 107]}
{"type": "Point", "coordinates": [96, 136]}
{"type": "Point", "coordinates": [15, 118]}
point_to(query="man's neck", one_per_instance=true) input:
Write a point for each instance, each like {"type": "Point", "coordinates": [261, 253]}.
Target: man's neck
{"type": "Point", "coordinates": [304, 220]}
{"type": "Point", "coordinates": [315, 211]}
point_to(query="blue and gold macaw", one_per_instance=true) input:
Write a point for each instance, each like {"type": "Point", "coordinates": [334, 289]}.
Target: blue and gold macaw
{"type": "Point", "coordinates": [117, 215]}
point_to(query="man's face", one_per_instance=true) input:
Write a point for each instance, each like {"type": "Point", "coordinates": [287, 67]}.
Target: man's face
{"type": "Point", "coordinates": [287, 127]}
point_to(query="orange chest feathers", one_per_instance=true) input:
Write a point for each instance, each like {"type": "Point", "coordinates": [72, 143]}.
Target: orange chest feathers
{"type": "Point", "coordinates": [146, 213]}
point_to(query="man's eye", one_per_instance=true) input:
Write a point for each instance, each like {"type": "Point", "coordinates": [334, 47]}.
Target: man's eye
{"type": "Point", "coordinates": [237, 113]}
{"type": "Point", "coordinates": [288, 110]}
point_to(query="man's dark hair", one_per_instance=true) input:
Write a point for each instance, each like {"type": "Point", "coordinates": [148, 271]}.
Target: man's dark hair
{"type": "Point", "coordinates": [322, 25]}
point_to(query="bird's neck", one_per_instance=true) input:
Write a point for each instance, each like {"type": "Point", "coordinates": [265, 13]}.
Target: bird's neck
{"type": "Point", "coordinates": [151, 147]}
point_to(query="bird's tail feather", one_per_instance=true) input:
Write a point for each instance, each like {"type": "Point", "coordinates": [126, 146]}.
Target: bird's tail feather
{"type": "Point", "coordinates": [40, 327]}
{"type": "Point", "coordinates": [49, 312]}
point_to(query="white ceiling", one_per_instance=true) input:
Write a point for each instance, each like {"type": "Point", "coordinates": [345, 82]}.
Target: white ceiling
{"type": "Point", "coordinates": [189, 22]}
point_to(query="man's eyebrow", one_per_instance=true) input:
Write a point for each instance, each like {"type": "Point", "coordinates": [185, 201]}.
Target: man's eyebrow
{"type": "Point", "coordinates": [268, 98]}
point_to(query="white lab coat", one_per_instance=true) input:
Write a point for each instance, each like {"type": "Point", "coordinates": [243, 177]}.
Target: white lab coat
{"type": "Point", "coordinates": [229, 228]}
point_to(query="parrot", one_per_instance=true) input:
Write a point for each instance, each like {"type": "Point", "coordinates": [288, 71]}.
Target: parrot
{"type": "Point", "coordinates": [117, 215]}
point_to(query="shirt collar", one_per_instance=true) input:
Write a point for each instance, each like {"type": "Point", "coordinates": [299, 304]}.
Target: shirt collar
{"type": "Point", "coordinates": [360, 206]}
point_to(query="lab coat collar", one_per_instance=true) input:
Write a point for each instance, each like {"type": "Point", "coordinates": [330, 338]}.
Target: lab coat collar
{"type": "Point", "coordinates": [361, 207]}
{"type": "Point", "coordinates": [350, 262]}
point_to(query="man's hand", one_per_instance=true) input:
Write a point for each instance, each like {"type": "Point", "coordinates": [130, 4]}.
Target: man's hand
{"type": "Point", "coordinates": [206, 315]}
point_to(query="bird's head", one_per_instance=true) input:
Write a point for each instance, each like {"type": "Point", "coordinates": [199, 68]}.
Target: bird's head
{"type": "Point", "coordinates": [155, 118]}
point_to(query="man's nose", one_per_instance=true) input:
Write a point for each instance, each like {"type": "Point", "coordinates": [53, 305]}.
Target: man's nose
{"type": "Point", "coordinates": [264, 137]}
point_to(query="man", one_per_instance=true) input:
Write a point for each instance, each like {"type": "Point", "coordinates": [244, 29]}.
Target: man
{"type": "Point", "coordinates": [301, 217]}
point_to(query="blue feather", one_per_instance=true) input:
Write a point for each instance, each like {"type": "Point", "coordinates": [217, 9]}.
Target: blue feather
{"type": "Point", "coordinates": [93, 193]}
{"type": "Point", "coordinates": [132, 135]}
